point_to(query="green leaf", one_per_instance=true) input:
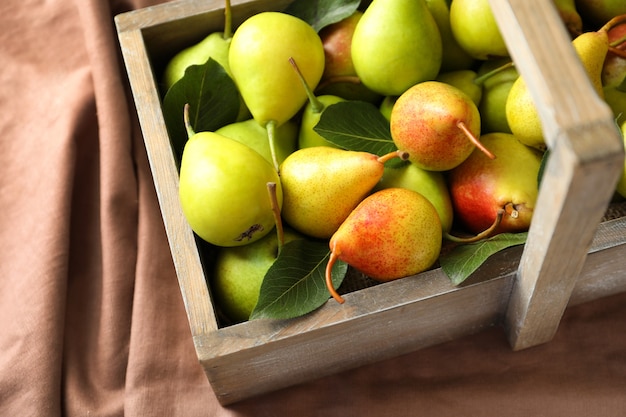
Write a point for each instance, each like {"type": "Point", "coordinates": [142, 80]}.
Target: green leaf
{"type": "Point", "coordinates": [463, 260]}
{"type": "Point", "coordinates": [356, 126]}
{"type": "Point", "coordinates": [295, 284]}
{"type": "Point", "coordinates": [213, 102]}
{"type": "Point", "coordinates": [321, 13]}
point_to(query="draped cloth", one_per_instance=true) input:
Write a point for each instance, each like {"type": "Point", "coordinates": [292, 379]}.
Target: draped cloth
{"type": "Point", "coordinates": [92, 318]}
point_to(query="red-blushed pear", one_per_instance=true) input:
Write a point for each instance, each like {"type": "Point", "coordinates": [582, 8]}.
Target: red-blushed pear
{"type": "Point", "coordinates": [614, 68]}
{"type": "Point", "coordinates": [437, 124]}
{"type": "Point", "coordinates": [480, 187]}
{"type": "Point", "coordinates": [321, 185]}
{"type": "Point", "coordinates": [393, 233]}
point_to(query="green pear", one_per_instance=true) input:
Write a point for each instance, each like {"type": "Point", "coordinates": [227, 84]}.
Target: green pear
{"type": "Point", "coordinates": [386, 106]}
{"type": "Point", "coordinates": [521, 113]}
{"type": "Point", "coordinates": [322, 185]}
{"type": "Point", "coordinates": [307, 136]}
{"type": "Point", "coordinates": [250, 133]}
{"type": "Point", "coordinates": [437, 124]}
{"type": "Point", "coordinates": [616, 99]}
{"type": "Point", "coordinates": [621, 184]}
{"type": "Point", "coordinates": [475, 29]}
{"type": "Point", "coordinates": [570, 16]}
{"type": "Point", "coordinates": [480, 186]}
{"type": "Point", "coordinates": [496, 87]}
{"type": "Point", "coordinates": [395, 45]}
{"type": "Point", "coordinates": [393, 233]}
{"type": "Point", "coordinates": [430, 184]}
{"type": "Point", "coordinates": [598, 12]}
{"type": "Point", "coordinates": [453, 56]}
{"type": "Point", "coordinates": [223, 190]}
{"type": "Point", "coordinates": [259, 58]}
{"type": "Point", "coordinates": [464, 80]}
{"type": "Point", "coordinates": [238, 273]}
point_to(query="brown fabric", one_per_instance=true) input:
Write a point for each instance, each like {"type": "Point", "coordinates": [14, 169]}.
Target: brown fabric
{"type": "Point", "coordinates": [92, 318]}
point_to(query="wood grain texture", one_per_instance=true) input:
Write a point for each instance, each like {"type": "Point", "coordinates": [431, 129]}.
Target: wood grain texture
{"type": "Point", "coordinates": [586, 159]}
{"type": "Point", "coordinates": [390, 319]}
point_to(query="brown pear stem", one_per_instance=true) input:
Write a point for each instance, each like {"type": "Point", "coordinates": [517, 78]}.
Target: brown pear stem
{"type": "Point", "coordinates": [188, 127]}
{"type": "Point", "coordinates": [351, 79]}
{"type": "Point", "coordinates": [228, 20]}
{"type": "Point", "coordinates": [271, 190]}
{"type": "Point", "coordinates": [404, 155]}
{"type": "Point", "coordinates": [482, 235]}
{"type": "Point", "coordinates": [484, 77]}
{"type": "Point", "coordinates": [510, 209]}
{"type": "Point", "coordinates": [329, 278]}
{"type": "Point", "coordinates": [316, 105]}
{"type": "Point", "coordinates": [270, 127]}
{"type": "Point", "coordinates": [461, 125]}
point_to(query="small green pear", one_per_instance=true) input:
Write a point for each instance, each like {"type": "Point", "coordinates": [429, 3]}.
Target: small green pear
{"type": "Point", "coordinates": [430, 184]}
{"type": "Point", "coordinates": [437, 124]}
{"type": "Point", "coordinates": [392, 234]}
{"type": "Point", "coordinates": [464, 80]}
{"type": "Point", "coordinates": [307, 136]}
{"type": "Point", "coordinates": [259, 58]}
{"type": "Point", "coordinates": [521, 113]}
{"type": "Point", "coordinates": [250, 133]}
{"type": "Point", "coordinates": [238, 273]}
{"type": "Point", "coordinates": [453, 56]}
{"type": "Point", "coordinates": [395, 45]}
{"type": "Point", "coordinates": [386, 106]}
{"type": "Point", "coordinates": [223, 190]}
{"type": "Point", "coordinates": [497, 77]}
{"type": "Point", "coordinates": [475, 29]}
{"type": "Point", "coordinates": [322, 185]}
{"type": "Point", "coordinates": [480, 186]}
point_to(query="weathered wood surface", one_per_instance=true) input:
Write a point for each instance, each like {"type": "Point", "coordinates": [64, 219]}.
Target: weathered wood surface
{"type": "Point", "coordinates": [579, 181]}
{"type": "Point", "coordinates": [390, 319]}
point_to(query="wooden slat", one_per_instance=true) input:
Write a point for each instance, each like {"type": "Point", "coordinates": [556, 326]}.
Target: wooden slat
{"type": "Point", "coordinates": [586, 158]}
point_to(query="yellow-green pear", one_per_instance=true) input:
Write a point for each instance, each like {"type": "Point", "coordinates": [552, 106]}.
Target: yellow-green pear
{"type": "Point", "coordinates": [395, 45]}
{"type": "Point", "coordinates": [497, 77]}
{"type": "Point", "coordinates": [307, 136]}
{"type": "Point", "coordinates": [430, 184]}
{"type": "Point", "coordinates": [621, 184]}
{"type": "Point", "coordinates": [322, 185]}
{"type": "Point", "coordinates": [259, 59]}
{"type": "Point", "coordinates": [223, 190]}
{"type": "Point", "coordinates": [521, 113]}
{"type": "Point", "coordinates": [464, 80]}
{"type": "Point", "coordinates": [386, 106]}
{"type": "Point", "coordinates": [475, 29]}
{"type": "Point", "coordinates": [392, 234]}
{"type": "Point", "coordinates": [250, 133]}
{"type": "Point", "coordinates": [453, 56]}
{"type": "Point", "coordinates": [238, 273]}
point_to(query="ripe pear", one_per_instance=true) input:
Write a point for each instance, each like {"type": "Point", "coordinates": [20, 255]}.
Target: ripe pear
{"type": "Point", "coordinates": [430, 184]}
{"type": "Point", "coordinates": [395, 45]}
{"type": "Point", "coordinates": [250, 133]}
{"type": "Point", "coordinates": [453, 56]}
{"type": "Point", "coordinates": [479, 187]}
{"type": "Point", "coordinates": [475, 29]}
{"type": "Point", "coordinates": [223, 190]}
{"type": "Point", "coordinates": [393, 233]}
{"type": "Point", "coordinates": [238, 273]}
{"type": "Point", "coordinates": [436, 123]}
{"type": "Point", "coordinates": [521, 113]}
{"type": "Point", "coordinates": [259, 59]}
{"type": "Point", "coordinates": [497, 83]}
{"type": "Point", "coordinates": [464, 80]}
{"type": "Point", "coordinates": [322, 185]}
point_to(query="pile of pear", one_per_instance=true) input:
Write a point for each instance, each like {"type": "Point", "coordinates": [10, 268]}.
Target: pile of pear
{"type": "Point", "coordinates": [469, 141]}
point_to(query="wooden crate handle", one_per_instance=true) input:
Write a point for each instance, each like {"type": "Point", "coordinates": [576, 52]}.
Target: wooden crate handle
{"type": "Point", "coordinates": [586, 158]}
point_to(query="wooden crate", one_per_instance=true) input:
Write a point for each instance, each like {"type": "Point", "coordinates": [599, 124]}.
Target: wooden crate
{"type": "Point", "coordinates": [571, 255]}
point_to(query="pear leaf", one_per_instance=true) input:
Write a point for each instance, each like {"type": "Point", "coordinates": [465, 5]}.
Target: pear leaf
{"type": "Point", "coordinates": [295, 284]}
{"type": "Point", "coordinates": [460, 262]}
{"type": "Point", "coordinates": [321, 13]}
{"type": "Point", "coordinates": [356, 126]}
{"type": "Point", "coordinates": [213, 102]}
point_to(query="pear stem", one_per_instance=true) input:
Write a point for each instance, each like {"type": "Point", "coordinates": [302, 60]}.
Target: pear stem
{"type": "Point", "coordinates": [228, 20]}
{"type": "Point", "coordinates": [615, 21]}
{"type": "Point", "coordinates": [461, 125]}
{"type": "Point", "coordinates": [329, 278]}
{"type": "Point", "coordinates": [482, 235]}
{"type": "Point", "coordinates": [188, 127]}
{"type": "Point", "coordinates": [510, 209]}
{"type": "Point", "coordinates": [404, 155]}
{"type": "Point", "coordinates": [280, 232]}
{"type": "Point", "coordinates": [352, 79]}
{"type": "Point", "coordinates": [270, 127]}
{"type": "Point", "coordinates": [482, 78]}
{"type": "Point", "coordinates": [316, 105]}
